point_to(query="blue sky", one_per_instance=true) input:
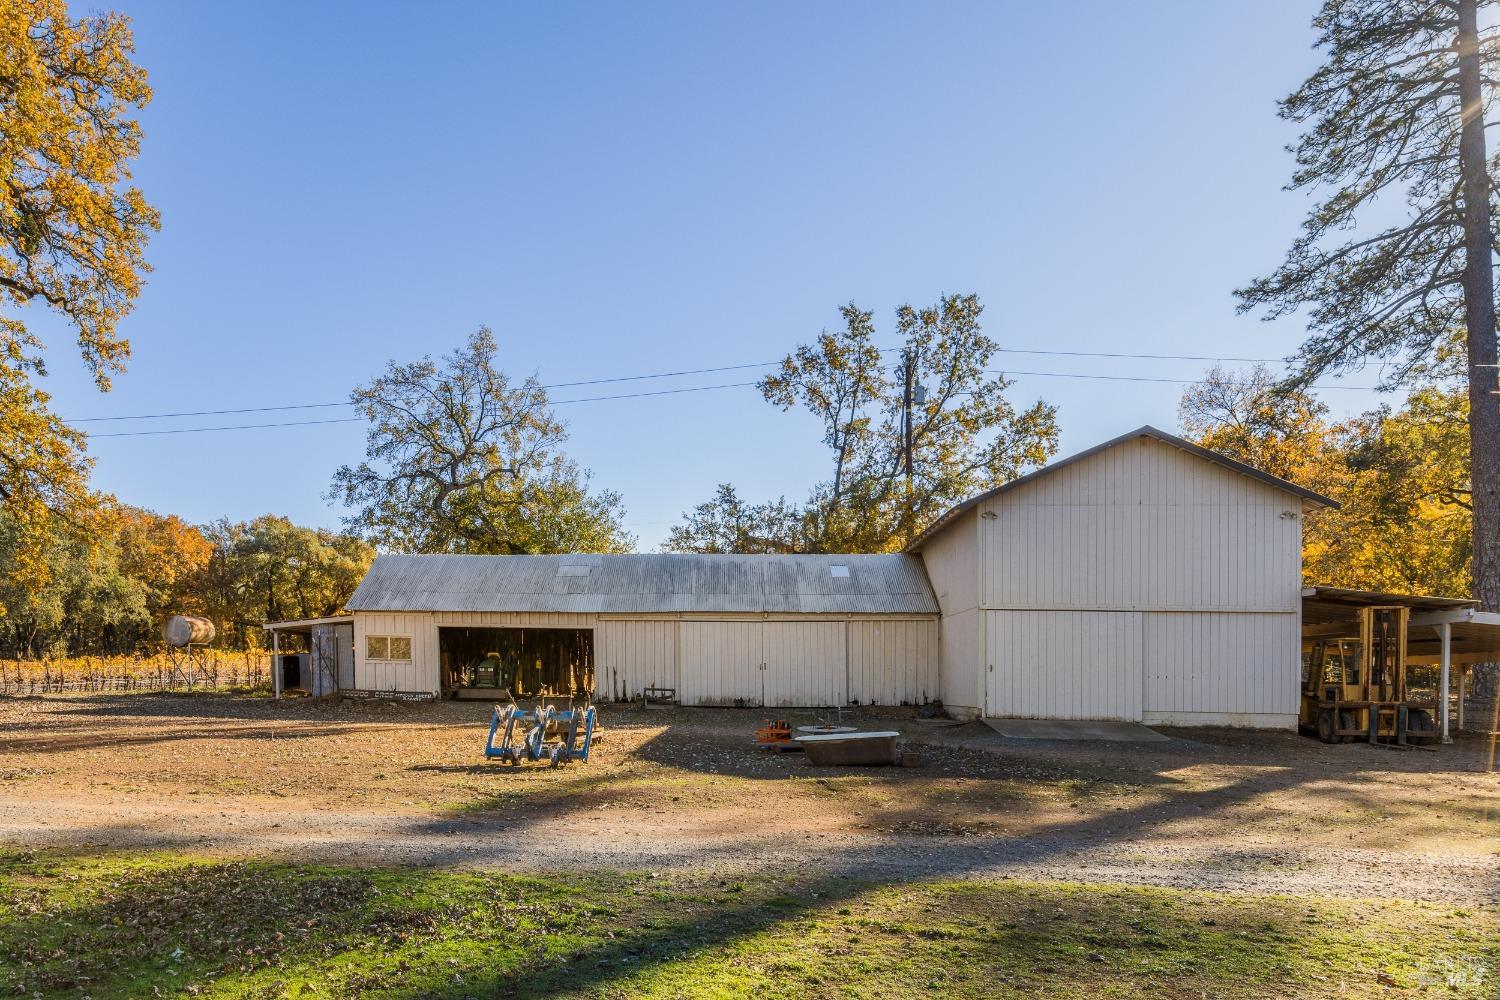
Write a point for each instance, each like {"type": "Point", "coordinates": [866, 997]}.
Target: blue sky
{"type": "Point", "coordinates": [627, 189]}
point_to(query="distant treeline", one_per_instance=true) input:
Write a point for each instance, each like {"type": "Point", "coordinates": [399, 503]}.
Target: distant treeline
{"type": "Point", "coordinates": [110, 596]}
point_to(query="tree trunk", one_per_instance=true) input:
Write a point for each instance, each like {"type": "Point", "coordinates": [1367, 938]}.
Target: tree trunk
{"type": "Point", "coordinates": [1479, 314]}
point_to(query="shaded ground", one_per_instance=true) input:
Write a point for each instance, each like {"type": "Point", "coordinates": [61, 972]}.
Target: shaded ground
{"type": "Point", "coordinates": [134, 926]}
{"type": "Point", "coordinates": [680, 790]}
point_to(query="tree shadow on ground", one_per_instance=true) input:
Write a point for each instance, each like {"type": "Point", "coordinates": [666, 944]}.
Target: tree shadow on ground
{"type": "Point", "coordinates": [876, 861]}
{"type": "Point", "coordinates": [114, 741]}
{"type": "Point", "coordinates": [268, 929]}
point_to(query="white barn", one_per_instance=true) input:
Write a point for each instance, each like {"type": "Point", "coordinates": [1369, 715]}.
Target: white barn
{"type": "Point", "coordinates": [717, 629]}
{"type": "Point", "coordinates": [1145, 580]}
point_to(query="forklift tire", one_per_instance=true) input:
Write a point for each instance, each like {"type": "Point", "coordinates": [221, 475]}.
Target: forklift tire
{"type": "Point", "coordinates": [1325, 726]}
{"type": "Point", "coordinates": [1346, 721]}
{"type": "Point", "coordinates": [1419, 725]}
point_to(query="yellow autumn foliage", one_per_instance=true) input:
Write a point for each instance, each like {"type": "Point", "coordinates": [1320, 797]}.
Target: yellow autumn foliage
{"type": "Point", "coordinates": [72, 238]}
{"type": "Point", "coordinates": [1401, 475]}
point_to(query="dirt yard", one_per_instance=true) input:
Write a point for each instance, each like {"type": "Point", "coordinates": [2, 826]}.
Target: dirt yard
{"type": "Point", "coordinates": [681, 790]}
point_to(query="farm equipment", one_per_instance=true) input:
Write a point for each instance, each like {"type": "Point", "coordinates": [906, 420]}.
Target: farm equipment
{"type": "Point", "coordinates": [543, 733]}
{"type": "Point", "coordinates": [775, 735]}
{"type": "Point", "coordinates": [658, 697]}
{"type": "Point", "coordinates": [1355, 686]}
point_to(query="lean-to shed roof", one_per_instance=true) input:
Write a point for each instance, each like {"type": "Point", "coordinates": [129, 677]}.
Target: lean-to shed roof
{"type": "Point", "coordinates": [626, 584]}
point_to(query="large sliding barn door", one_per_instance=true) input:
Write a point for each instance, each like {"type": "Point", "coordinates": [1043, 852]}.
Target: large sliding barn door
{"type": "Point", "coordinates": [1065, 665]}
{"type": "Point", "coordinates": [806, 664]}
{"type": "Point", "coordinates": [781, 664]}
{"type": "Point", "coordinates": [721, 663]}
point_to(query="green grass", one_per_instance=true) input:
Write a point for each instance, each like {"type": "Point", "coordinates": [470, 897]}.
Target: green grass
{"type": "Point", "coordinates": [134, 925]}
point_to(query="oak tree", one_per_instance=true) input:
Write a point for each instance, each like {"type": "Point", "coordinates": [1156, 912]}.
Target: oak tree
{"type": "Point", "coordinates": [910, 432]}
{"type": "Point", "coordinates": [458, 458]}
{"type": "Point", "coordinates": [72, 237]}
{"type": "Point", "coordinates": [1251, 417]}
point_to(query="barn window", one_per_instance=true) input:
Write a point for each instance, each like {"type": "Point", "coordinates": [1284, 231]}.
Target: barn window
{"type": "Point", "coordinates": [840, 572]}
{"type": "Point", "coordinates": [388, 647]}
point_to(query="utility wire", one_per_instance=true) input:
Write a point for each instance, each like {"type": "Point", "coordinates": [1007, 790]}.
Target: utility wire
{"type": "Point", "coordinates": [704, 371]}
{"type": "Point", "coordinates": [351, 420]}
{"type": "Point", "coordinates": [1143, 378]}
{"type": "Point", "coordinates": [345, 402]}
{"type": "Point", "coordinates": [659, 392]}
{"type": "Point", "coordinates": [639, 395]}
{"type": "Point", "coordinates": [237, 427]}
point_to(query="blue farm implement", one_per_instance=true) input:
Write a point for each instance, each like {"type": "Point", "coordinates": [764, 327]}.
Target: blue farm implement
{"type": "Point", "coordinates": [544, 733]}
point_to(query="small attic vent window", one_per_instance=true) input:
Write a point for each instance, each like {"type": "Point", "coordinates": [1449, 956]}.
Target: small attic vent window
{"type": "Point", "coordinates": [839, 572]}
{"type": "Point", "coordinates": [573, 570]}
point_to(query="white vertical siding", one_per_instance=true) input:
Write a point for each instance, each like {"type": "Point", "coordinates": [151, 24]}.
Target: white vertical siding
{"type": "Point", "coordinates": [1141, 583]}
{"type": "Point", "coordinates": [344, 641]}
{"type": "Point", "coordinates": [951, 558]}
{"type": "Point", "coordinates": [894, 662]}
{"type": "Point", "coordinates": [720, 663]}
{"type": "Point", "coordinates": [963, 663]}
{"type": "Point", "coordinates": [634, 655]}
{"type": "Point", "coordinates": [1065, 664]}
{"type": "Point", "coordinates": [418, 676]}
{"type": "Point", "coordinates": [812, 662]}
{"type": "Point", "coordinates": [514, 619]}
{"type": "Point", "coordinates": [1221, 669]}
{"type": "Point", "coordinates": [1142, 525]}
{"type": "Point", "coordinates": [807, 663]}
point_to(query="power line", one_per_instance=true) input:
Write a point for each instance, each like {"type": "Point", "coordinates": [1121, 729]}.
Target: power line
{"type": "Point", "coordinates": [238, 427]}
{"type": "Point", "coordinates": [656, 392]}
{"type": "Point", "coordinates": [351, 420]}
{"type": "Point", "coordinates": [706, 371]}
{"type": "Point", "coordinates": [1143, 378]}
{"type": "Point", "coordinates": [1145, 357]}
{"type": "Point", "coordinates": [345, 402]}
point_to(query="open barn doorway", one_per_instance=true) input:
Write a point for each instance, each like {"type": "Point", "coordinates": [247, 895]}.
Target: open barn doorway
{"type": "Point", "coordinates": [528, 662]}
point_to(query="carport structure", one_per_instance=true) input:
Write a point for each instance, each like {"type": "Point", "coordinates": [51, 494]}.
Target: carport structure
{"type": "Point", "coordinates": [1450, 633]}
{"type": "Point", "coordinates": [328, 663]}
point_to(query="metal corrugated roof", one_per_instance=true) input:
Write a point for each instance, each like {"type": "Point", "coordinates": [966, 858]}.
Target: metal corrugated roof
{"type": "Point", "coordinates": [625, 584]}
{"type": "Point", "coordinates": [1308, 496]}
{"type": "Point", "coordinates": [1326, 605]}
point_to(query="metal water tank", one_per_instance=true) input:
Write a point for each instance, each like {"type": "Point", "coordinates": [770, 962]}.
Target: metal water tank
{"type": "Point", "coordinates": [181, 630]}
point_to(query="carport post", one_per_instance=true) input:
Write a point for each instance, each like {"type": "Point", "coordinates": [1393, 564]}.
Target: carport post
{"type": "Point", "coordinates": [1445, 633]}
{"type": "Point", "coordinates": [275, 673]}
{"type": "Point", "coordinates": [1463, 677]}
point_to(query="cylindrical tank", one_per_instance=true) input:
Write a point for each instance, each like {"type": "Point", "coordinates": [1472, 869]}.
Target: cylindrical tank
{"type": "Point", "coordinates": [183, 629]}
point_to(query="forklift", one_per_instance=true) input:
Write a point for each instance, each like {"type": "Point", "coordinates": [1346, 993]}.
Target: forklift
{"type": "Point", "coordinates": [1354, 686]}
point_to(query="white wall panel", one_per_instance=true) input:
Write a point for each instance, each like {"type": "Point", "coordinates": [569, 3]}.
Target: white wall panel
{"type": "Point", "coordinates": [420, 675]}
{"type": "Point", "coordinates": [1064, 664]}
{"type": "Point", "coordinates": [634, 655]}
{"type": "Point", "coordinates": [963, 662]}
{"type": "Point", "coordinates": [1142, 526]}
{"type": "Point", "coordinates": [514, 619]}
{"type": "Point", "coordinates": [951, 559]}
{"type": "Point", "coordinates": [1225, 668]}
{"type": "Point", "coordinates": [807, 663]}
{"type": "Point", "coordinates": [894, 662]}
{"type": "Point", "coordinates": [720, 663]}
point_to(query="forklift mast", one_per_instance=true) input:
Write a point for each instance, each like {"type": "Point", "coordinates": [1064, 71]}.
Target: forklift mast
{"type": "Point", "coordinates": [1383, 653]}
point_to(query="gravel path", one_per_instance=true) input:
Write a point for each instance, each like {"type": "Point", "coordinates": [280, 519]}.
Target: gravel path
{"type": "Point", "coordinates": [632, 844]}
